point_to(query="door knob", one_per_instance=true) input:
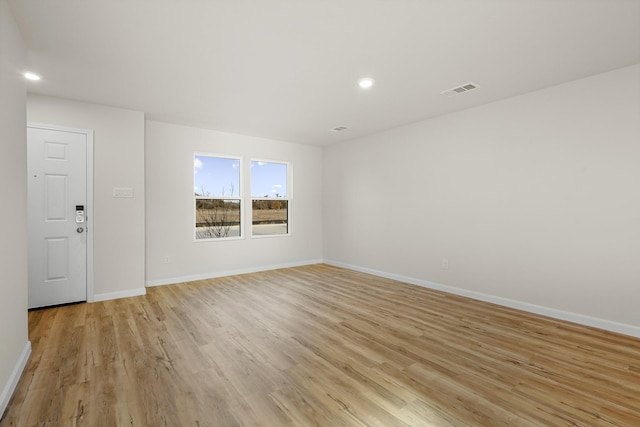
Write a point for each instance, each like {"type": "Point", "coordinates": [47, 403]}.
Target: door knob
{"type": "Point", "coordinates": [79, 229]}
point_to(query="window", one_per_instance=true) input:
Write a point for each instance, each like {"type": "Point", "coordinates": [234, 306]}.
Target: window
{"type": "Point", "coordinates": [270, 198]}
{"type": "Point", "coordinates": [218, 202]}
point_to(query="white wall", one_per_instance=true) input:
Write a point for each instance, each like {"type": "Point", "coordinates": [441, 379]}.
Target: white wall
{"type": "Point", "coordinates": [14, 344]}
{"type": "Point", "coordinates": [534, 199]}
{"type": "Point", "coordinates": [118, 223]}
{"type": "Point", "coordinates": [169, 210]}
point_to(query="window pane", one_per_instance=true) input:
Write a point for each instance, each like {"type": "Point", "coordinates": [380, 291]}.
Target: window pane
{"type": "Point", "coordinates": [217, 218]}
{"type": "Point", "coordinates": [268, 179]}
{"type": "Point", "coordinates": [216, 176]}
{"type": "Point", "coordinates": [270, 217]}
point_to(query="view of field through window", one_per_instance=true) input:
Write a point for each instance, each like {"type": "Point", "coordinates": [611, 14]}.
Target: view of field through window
{"type": "Point", "coordinates": [217, 197]}
{"type": "Point", "coordinates": [219, 203]}
{"type": "Point", "coordinates": [269, 198]}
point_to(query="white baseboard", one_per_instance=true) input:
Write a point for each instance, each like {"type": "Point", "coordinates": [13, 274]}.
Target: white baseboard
{"type": "Point", "coordinates": [11, 385]}
{"type": "Point", "coordinates": [121, 294]}
{"type": "Point", "coordinates": [595, 322]}
{"type": "Point", "coordinates": [214, 274]}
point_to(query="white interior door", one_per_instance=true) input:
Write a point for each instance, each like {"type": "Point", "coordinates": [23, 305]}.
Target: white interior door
{"type": "Point", "coordinates": [57, 197]}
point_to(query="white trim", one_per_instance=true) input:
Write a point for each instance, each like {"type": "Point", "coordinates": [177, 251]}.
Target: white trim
{"type": "Point", "coordinates": [582, 319]}
{"type": "Point", "coordinates": [121, 294]}
{"type": "Point", "coordinates": [11, 385]}
{"type": "Point", "coordinates": [90, 220]}
{"type": "Point", "coordinates": [215, 274]}
{"type": "Point", "coordinates": [270, 236]}
{"type": "Point", "coordinates": [89, 202]}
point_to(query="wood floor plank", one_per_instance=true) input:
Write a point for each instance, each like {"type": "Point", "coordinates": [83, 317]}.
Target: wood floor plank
{"type": "Point", "coordinates": [319, 346]}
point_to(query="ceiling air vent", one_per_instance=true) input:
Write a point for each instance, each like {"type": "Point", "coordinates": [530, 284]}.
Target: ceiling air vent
{"type": "Point", "coordinates": [460, 89]}
{"type": "Point", "coordinates": [339, 129]}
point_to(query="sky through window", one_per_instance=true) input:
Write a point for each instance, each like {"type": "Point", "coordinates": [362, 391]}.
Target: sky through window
{"type": "Point", "coordinates": [216, 176]}
{"type": "Point", "coordinates": [268, 179]}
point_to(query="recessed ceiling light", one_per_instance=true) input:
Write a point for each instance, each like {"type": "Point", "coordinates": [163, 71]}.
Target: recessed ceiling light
{"type": "Point", "coordinates": [365, 83]}
{"type": "Point", "coordinates": [31, 76]}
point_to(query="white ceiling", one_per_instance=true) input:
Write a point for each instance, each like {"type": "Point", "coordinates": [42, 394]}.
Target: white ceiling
{"type": "Point", "coordinates": [288, 69]}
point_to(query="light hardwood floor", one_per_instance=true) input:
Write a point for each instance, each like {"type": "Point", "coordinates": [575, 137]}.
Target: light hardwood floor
{"type": "Point", "coordinates": [319, 345]}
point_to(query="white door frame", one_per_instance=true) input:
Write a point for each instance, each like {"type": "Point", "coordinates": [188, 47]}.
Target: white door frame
{"type": "Point", "coordinates": [90, 227]}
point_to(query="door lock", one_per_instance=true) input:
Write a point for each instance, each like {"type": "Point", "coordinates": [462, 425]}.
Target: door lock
{"type": "Point", "coordinates": [79, 229]}
{"type": "Point", "coordinates": [79, 214]}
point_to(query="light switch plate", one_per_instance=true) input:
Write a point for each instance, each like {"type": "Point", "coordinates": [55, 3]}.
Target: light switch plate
{"type": "Point", "coordinates": [122, 192]}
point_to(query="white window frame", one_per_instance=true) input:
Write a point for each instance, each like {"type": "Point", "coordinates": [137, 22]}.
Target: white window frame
{"type": "Point", "coordinates": [289, 198]}
{"type": "Point", "coordinates": [239, 197]}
